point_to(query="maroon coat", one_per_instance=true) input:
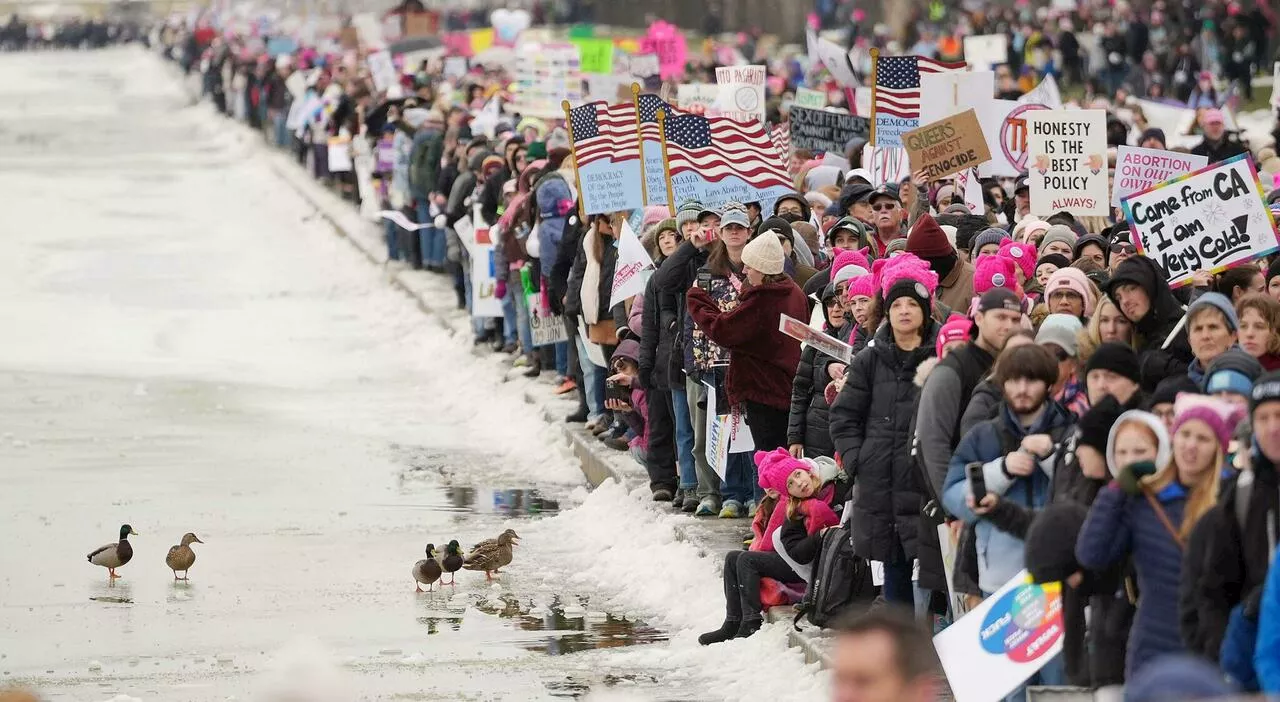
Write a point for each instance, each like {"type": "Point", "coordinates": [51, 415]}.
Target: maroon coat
{"type": "Point", "coordinates": [763, 360]}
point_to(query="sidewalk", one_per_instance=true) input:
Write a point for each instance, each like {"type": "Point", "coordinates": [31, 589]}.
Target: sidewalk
{"type": "Point", "coordinates": [435, 296]}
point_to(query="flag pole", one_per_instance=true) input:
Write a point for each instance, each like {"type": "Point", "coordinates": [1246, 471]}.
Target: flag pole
{"type": "Point", "coordinates": [644, 182]}
{"type": "Point", "coordinates": [577, 179]}
{"type": "Point", "coordinates": [875, 65]}
{"type": "Point", "coordinates": [666, 162]}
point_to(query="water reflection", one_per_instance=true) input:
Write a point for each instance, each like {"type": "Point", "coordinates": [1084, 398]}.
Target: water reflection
{"type": "Point", "coordinates": [559, 628]}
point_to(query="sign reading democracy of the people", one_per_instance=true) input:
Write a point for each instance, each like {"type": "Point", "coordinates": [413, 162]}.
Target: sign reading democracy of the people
{"type": "Point", "coordinates": [825, 343]}
{"type": "Point", "coordinates": [1138, 169]}
{"type": "Point", "coordinates": [741, 92]}
{"type": "Point", "coordinates": [994, 648]}
{"type": "Point", "coordinates": [1068, 162]}
{"type": "Point", "coordinates": [822, 130]}
{"type": "Point", "coordinates": [1208, 220]}
{"type": "Point", "coordinates": [947, 146]}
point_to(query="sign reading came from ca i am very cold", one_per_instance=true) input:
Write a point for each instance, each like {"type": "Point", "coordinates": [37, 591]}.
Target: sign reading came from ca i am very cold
{"type": "Point", "coordinates": [1209, 220]}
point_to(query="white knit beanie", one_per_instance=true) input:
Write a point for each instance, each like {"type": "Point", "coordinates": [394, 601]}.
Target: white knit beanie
{"type": "Point", "coordinates": [764, 253]}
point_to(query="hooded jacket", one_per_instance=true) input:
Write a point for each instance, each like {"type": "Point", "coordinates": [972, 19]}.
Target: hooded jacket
{"type": "Point", "coordinates": [659, 321]}
{"type": "Point", "coordinates": [808, 422]}
{"type": "Point", "coordinates": [638, 418]}
{"type": "Point", "coordinates": [763, 360]}
{"type": "Point", "coordinates": [555, 201]}
{"type": "Point", "coordinates": [870, 428]}
{"type": "Point", "coordinates": [805, 209]}
{"type": "Point", "coordinates": [1159, 360]}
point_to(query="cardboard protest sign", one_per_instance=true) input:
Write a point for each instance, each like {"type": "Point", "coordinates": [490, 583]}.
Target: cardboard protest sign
{"type": "Point", "coordinates": [1068, 162]}
{"type": "Point", "coordinates": [741, 92]}
{"type": "Point", "coordinates": [820, 130]}
{"type": "Point", "coordinates": [947, 146]}
{"type": "Point", "coordinates": [994, 648]}
{"type": "Point", "coordinates": [421, 24]}
{"type": "Point", "coordinates": [1208, 220]}
{"type": "Point", "coordinates": [547, 328]}
{"type": "Point", "coordinates": [629, 275]}
{"type": "Point", "coordinates": [726, 434]}
{"type": "Point", "coordinates": [1138, 169]}
{"type": "Point", "coordinates": [813, 99]}
{"type": "Point", "coordinates": [984, 51]}
{"type": "Point", "coordinates": [349, 38]}
{"type": "Point", "coordinates": [825, 343]}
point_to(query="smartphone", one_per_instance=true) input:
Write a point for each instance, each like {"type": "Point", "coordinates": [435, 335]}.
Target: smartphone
{"type": "Point", "coordinates": [704, 280]}
{"type": "Point", "coordinates": [616, 391]}
{"type": "Point", "coordinates": [977, 482]}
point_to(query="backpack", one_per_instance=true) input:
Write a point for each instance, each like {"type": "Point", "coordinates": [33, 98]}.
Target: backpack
{"type": "Point", "coordinates": [841, 581]}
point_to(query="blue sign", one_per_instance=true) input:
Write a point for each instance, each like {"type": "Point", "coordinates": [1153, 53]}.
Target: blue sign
{"type": "Point", "coordinates": [611, 187]}
{"type": "Point", "coordinates": [281, 45]}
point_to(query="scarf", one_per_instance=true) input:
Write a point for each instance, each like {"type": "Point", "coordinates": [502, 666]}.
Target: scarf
{"type": "Point", "coordinates": [591, 278]}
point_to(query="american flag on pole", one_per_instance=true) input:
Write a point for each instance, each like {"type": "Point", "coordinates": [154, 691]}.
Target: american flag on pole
{"type": "Point", "coordinates": [649, 106]}
{"type": "Point", "coordinates": [898, 83]}
{"type": "Point", "coordinates": [717, 147]}
{"type": "Point", "coordinates": [781, 135]}
{"type": "Point", "coordinates": [603, 131]}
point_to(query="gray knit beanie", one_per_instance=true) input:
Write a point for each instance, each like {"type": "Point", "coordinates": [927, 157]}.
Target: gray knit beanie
{"type": "Point", "coordinates": [1058, 232]}
{"type": "Point", "coordinates": [990, 235]}
{"type": "Point", "coordinates": [688, 212]}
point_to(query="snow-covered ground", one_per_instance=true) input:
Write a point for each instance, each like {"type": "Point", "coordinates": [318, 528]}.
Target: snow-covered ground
{"type": "Point", "coordinates": [188, 347]}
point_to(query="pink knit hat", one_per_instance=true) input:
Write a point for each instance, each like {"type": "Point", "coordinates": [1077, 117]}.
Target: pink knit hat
{"type": "Point", "coordinates": [845, 259]}
{"type": "Point", "coordinates": [774, 467]}
{"type": "Point", "coordinates": [1076, 281]}
{"type": "Point", "coordinates": [1220, 415]}
{"type": "Point", "coordinates": [995, 271]}
{"type": "Point", "coordinates": [956, 328]}
{"type": "Point", "coordinates": [908, 266]}
{"type": "Point", "coordinates": [864, 286]}
{"type": "Point", "coordinates": [1023, 254]}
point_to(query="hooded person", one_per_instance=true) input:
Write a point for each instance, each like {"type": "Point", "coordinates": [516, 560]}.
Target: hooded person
{"type": "Point", "coordinates": [955, 276]}
{"type": "Point", "coordinates": [1141, 292]}
{"type": "Point", "coordinates": [848, 234]}
{"type": "Point", "coordinates": [793, 207]}
{"type": "Point", "coordinates": [799, 260]}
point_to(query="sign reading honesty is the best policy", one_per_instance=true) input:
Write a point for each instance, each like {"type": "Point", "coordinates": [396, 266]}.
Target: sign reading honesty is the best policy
{"type": "Point", "coordinates": [1067, 168]}
{"type": "Point", "coordinates": [1208, 220]}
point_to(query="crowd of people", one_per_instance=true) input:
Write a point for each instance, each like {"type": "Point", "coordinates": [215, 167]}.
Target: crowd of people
{"type": "Point", "coordinates": [1029, 388]}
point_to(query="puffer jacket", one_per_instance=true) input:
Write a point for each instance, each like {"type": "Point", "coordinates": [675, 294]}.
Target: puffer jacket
{"type": "Point", "coordinates": [870, 428]}
{"type": "Point", "coordinates": [808, 422]}
{"type": "Point", "coordinates": [670, 283]}
{"type": "Point", "coordinates": [555, 206]}
{"type": "Point", "coordinates": [657, 337]}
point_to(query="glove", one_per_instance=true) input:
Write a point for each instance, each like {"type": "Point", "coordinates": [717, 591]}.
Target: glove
{"type": "Point", "coordinates": [1130, 477]}
{"type": "Point", "coordinates": [500, 290]}
{"type": "Point", "coordinates": [440, 221]}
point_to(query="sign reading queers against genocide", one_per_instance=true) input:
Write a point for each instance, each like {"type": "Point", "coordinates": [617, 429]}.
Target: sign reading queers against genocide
{"type": "Point", "coordinates": [1068, 162]}
{"type": "Point", "coordinates": [948, 146]}
{"type": "Point", "coordinates": [1138, 169]}
{"type": "Point", "coordinates": [1208, 220]}
{"type": "Point", "coordinates": [820, 130]}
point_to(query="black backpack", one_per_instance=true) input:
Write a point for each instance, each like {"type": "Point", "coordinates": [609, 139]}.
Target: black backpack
{"type": "Point", "coordinates": [841, 581]}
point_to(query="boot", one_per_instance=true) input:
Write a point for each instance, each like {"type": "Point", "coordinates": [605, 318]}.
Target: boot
{"type": "Point", "coordinates": [724, 633]}
{"type": "Point", "coordinates": [579, 416]}
{"type": "Point", "coordinates": [748, 627]}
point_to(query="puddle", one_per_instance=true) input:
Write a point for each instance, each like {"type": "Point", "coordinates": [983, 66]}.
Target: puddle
{"type": "Point", "coordinates": [427, 473]}
{"type": "Point", "coordinates": [556, 630]}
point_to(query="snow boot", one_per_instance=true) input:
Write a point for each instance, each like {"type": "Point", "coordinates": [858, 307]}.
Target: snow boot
{"type": "Point", "coordinates": [726, 631]}
{"type": "Point", "coordinates": [747, 628]}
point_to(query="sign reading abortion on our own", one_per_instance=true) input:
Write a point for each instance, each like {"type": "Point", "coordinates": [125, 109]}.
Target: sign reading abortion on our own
{"type": "Point", "coordinates": [1068, 162]}
{"type": "Point", "coordinates": [1208, 220]}
{"type": "Point", "coordinates": [820, 130]}
{"type": "Point", "coordinates": [948, 146]}
{"type": "Point", "coordinates": [1138, 169]}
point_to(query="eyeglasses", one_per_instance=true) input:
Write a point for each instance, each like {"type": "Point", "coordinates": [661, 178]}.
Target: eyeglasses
{"type": "Point", "coordinates": [886, 207]}
{"type": "Point", "coordinates": [790, 210]}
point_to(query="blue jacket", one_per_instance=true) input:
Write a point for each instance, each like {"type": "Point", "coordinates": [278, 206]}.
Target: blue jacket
{"type": "Point", "coordinates": [1119, 525]}
{"type": "Point", "coordinates": [1266, 659]}
{"type": "Point", "coordinates": [1000, 554]}
{"type": "Point", "coordinates": [551, 194]}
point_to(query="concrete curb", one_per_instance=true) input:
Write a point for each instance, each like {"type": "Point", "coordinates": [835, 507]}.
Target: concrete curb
{"type": "Point", "coordinates": [597, 462]}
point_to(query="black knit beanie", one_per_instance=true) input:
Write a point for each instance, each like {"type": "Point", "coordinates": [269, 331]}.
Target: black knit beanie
{"type": "Point", "coordinates": [1051, 542]}
{"type": "Point", "coordinates": [1116, 357]}
{"type": "Point", "coordinates": [1094, 426]}
{"type": "Point", "coordinates": [1168, 389]}
{"type": "Point", "coordinates": [909, 288]}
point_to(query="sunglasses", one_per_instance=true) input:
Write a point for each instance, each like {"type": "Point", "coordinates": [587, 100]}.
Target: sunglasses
{"type": "Point", "coordinates": [886, 207]}
{"type": "Point", "coordinates": [1124, 248]}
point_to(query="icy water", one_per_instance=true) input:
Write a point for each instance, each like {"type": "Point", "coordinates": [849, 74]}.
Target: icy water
{"type": "Point", "coordinates": [184, 348]}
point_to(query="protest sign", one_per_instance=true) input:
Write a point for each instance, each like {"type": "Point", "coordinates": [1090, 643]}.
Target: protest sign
{"type": "Point", "coordinates": [698, 98]}
{"type": "Point", "coordinates": [281, 45]}
{"type": "Point", "coordinates": [971, 186]}
{"type": "Point", "coordinates": [1008, 638]}
{"type": "Point", "coordinates": [947, 146]}
{"type": "Point", "coordinates": [1139, 169]}
{"type": "Point", "coordinates": [886, 164]}
{"type": "Point", "coordinates": [820, 130]}
{"type": "Point", "coordinates": [546, 75]}
{"type": "Point", "coordinates": [1208, 220]}
{"type": "Point", "coordinates": [369, 27]}
{"type": "Point", "coordinates": [643, 65]}
{"type": "Point", "coordinates": [455, 67]}
{"type": "Point", "coordinates": [813, 99]}
{"type": "Point", "coordinates": [606, 149]}
{"type": "Point", "coordinates": [806, 334]}
{"type": "Point", "coordinates": [631, 271]}
{"type": "Point", "coordinates": [726, 434]}
{"type": "Point", "coordinates": [595, 56]}
{"type": "Point", "coordinates": [297, 85]}
{"type": "Point", "coordinates": [832, 57]}
{"type": "Point", "coordinates": [339, 154]}
{"type": "Point", "coordinates": [349, 38]}
{"type": "Point", "coordinates": [665, 40]}
{"type": "Point", "coordinates": [741, 92]}
{"type": "Point", "coordinates": [862, 102]}
{"type": "Point", "coordinates": [1068, 162]}
{"type": "Point", "coordinates": [986, 50]}
{"type": "Point", "coordinates": [952, 92]}
{"type": "Point", "coordinates": [547, 328]}
{"type": "Point", "coordinates": [382, 70]}
{"type": "Point", "coordinates": [1045, 93]}
{"type": "Point", "coordinates": [421, 24]}
{"type": "Point", "coordinates": [1275, 85]}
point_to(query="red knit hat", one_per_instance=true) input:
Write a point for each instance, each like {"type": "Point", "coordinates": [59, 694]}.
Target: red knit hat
{"type": "Point", "coordinates": [927, 240]}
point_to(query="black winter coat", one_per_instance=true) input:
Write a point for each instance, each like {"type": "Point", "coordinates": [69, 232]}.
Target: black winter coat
{"type": "Point", "coordinates": [870, 427]}
{"type": "Point", "coordinates": [657, 338]}
{"type": "Point", "coordinates": [671, 282]}
{"type": "Point", "coordinates": [1161, 356]}
{"type": "Point", "coordinates": [808, 422]}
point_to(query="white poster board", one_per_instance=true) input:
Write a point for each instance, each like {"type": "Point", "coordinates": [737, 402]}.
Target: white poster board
{"type": "Point", "coordinates": [382, 70]}
{"type": "Point", "coordinates": [726, 434]}
{"type": "Point", "coordinates": [1208, 220]}
{"type": "Point", "coordinates": [1067, 164]}
{"type": "Point", "coordinates": [547, 328]}
{"type": "Point", "coordinates": [1139, 169]}
{"type": "Point", "coordinates": [986, 50]}
{"type": "Point", "coordinates": [993, 649]}
{"type": "Point", "coordinates": [340, 154]}
{"type": "Point", "coordinates": [698, 98]}
{"type": "Point", "coordinates": [741, 95]}
{"type": "Point", "coordinates": [953, 92]}
{"type": "Point", "coordinates": [886, 164]}
{"type": "Point", "coordinates": [633, 267]}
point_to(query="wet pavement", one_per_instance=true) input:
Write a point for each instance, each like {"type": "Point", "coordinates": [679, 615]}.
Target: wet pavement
{"type": "Point", "coordinates": [186, 349]}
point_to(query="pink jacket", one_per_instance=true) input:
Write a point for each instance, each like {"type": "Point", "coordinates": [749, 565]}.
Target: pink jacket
{"type": "Point", "coordinates": [818, 516]}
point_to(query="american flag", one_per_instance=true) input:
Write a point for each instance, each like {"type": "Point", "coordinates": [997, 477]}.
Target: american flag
{"type": "Point", "coordinates": [718, 147]}
{"type": "Point", "coordinates": [781, 134]}
{"type": "Point", "coordinates": [898, 83]}
{"type": "Point", "coordinates": [649, 106]}
{"type": "Point", "coordinates": [603, 131]}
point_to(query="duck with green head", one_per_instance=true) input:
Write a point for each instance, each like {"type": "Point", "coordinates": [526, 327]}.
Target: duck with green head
{"type": "Point", "coordinates": [427, 570]}
{"type": "Point", "coordinates": [452, 561]}
{"type": "Point", "coordinates": [113, 556]}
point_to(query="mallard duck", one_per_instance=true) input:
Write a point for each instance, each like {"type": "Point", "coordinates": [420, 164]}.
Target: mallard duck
{"type": "Point", "coordinates": [181, 557]}
{"type": "Point", "coordinates": [427, 570]}
{"type": "Point", "coordinates": [452, 561]}
{"type": "Point", "coordinates": [491, 554]}
{"type": "Point", "coordinates": [113, 556]}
